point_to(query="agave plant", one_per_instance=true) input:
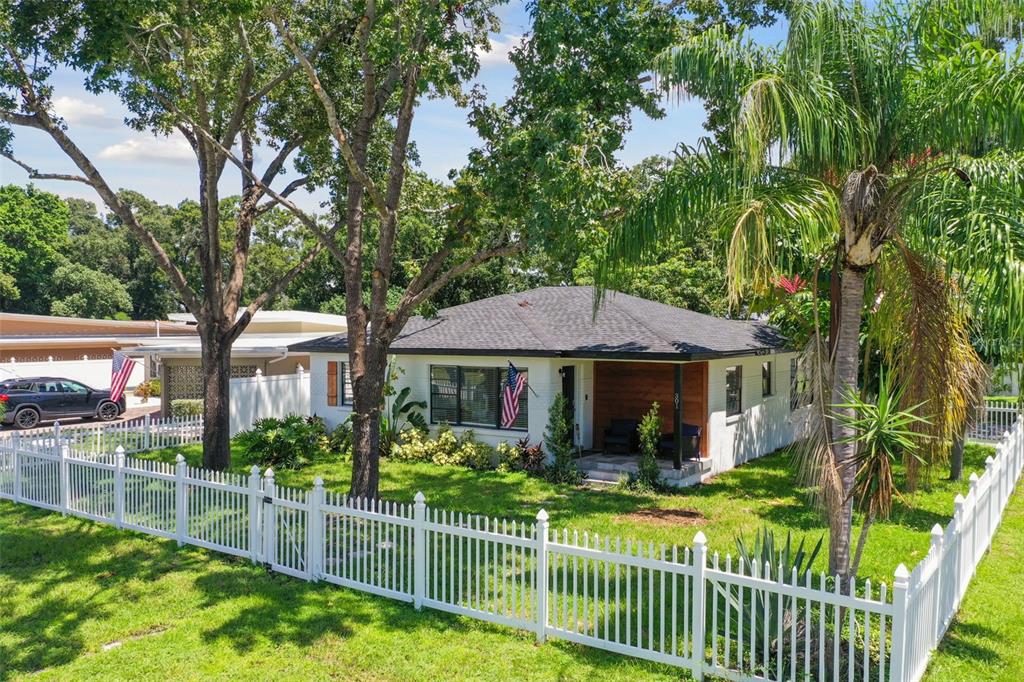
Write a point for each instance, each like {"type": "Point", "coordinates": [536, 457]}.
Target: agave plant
{"type": "Point", "coordinates": [883, 435]}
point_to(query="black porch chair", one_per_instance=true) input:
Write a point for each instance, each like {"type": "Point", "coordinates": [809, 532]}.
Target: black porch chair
{"type": "Point", "coordinates": [622, 435]}
{"type": "Point", "coordinates": [691, 443]}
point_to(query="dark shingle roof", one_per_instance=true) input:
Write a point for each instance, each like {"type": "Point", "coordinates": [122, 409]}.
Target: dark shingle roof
{"type": "Point", "coordinates": [559, 321]}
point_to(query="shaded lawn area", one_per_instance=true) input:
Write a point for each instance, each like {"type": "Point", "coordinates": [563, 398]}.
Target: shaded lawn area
{"type": "Point", "coordinates": [759, 493]}
{"type": "Point", "coordinates": [81, 600]}
{"type": "Point", "coordinates": [986, 641]}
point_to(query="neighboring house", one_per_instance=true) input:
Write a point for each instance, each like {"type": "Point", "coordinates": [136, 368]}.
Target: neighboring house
{"type": "Point", "coordinates": [77, 348]}
{"type": "Point", "coordinates": [262, 347]}
{"type": "Point", "coordinates": [731, 378]}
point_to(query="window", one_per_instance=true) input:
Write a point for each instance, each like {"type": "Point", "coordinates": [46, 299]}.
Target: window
{"type": "Point", "coordinates": [74, 387]}
{"type": "Point", "coordinates": [766, 379]}
{"type": "Point", "coordinates": [472, 396]}
{"type": "Point", "coordinates": [733, 390]}
{"type": "Point", "coordinates": [798, 396]}
{"type": "Point", "coordinates": [339, 384]}
{"type": "Point", "coordinates": [50, 387]}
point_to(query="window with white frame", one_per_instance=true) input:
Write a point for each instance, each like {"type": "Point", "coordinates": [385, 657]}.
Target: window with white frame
{"type": "Point", "coordinates": [733, 390]}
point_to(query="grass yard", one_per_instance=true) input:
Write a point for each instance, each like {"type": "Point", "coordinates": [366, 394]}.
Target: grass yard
{"type": "Point", "coordinates": [82, 600]}
{"type": "Point", "coordinates": [986, 640]}
{"type": "Point", "coordinates": [759, 493]}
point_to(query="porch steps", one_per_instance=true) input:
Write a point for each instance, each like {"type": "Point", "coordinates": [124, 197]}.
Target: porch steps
{"type": "Point", "coordinates": [611, 468]}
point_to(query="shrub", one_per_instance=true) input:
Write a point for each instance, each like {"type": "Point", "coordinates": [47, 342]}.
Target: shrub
{"type": "Point", "coordinates": [148, 389]}
{"type": "Point", "coordinates": [287, 443]}
{"type": "Point", "coordinates": [521, 457]}
{"type": "Point", "coordinates": [186, 407]}
{"type": "Point", "coordinates": [340, 440]}
{"type": "Point", "coordinates": [558, 441]}
{"type": "Point", "coordinates": [648, 474]}
{"type": "Point", "coordinates": [446, 449]}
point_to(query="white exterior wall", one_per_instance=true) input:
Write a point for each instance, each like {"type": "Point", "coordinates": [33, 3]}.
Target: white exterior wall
{"type": "Point", "coordinates": [92, 373]}
{"type": "Point", "coordinates": [765, 423]}
{"type": "Point", "coordinates": [544, 384]}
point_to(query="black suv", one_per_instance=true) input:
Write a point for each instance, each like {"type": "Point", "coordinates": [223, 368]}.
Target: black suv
{"type": "Point", "coordinates": [30, 401]}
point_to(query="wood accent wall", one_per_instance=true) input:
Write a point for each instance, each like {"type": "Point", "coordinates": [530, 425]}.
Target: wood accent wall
{"type": "Point", "coordinates": [625, 390]}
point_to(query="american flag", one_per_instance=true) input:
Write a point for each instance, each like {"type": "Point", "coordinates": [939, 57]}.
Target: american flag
{"type": "Point", "coordinates": [120, 370]}
{"type": "Point", "coordinates": [514, 386]}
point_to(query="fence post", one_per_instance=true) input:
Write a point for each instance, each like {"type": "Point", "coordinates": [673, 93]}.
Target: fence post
{"type": "Point", "coordinates": [147, 423]}
{"type": "Point", "coordinates": [958, 524]}
{"type": "Point", "coordinates": [419, 549]}
{"type": "Point", "coordinates": [269, 518]}
{"type": "Point", "coordinates": [936, 551]}
{"type": "Point", "coordinates": [900, 602]}
{"type": "Point", "coordinates": [990, 492]}
{"type": "Point", "coordinates": [255, 538]}
{"type": "Point", "coordinates": [180, 501]}
{"type": "Point", "coordinates": [119, 486]}
{"type": "Point", "coordinates": [17, 467]}
{"type": "Point", "coordinates": [65, 480]}
{"type": "Point", "coordinates": [699, 603]}
{"type": "Point", "coordinates": [314, 535]}
{"type": "Point", "coordinates": [972, 495]}
{"type": "Point", "coordinates": [56, 437]}
{"type": "Point", "coordinates": [541, 576]}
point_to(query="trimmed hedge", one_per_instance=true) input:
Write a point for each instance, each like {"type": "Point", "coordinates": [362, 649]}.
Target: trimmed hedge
{"type": "Point", "coordinates": [186, 407]}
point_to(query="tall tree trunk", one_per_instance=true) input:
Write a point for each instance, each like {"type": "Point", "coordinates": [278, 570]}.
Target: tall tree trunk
{"type": "Point", "coordinates": [216, 354]}
{"type": "Point", "coordinates": [956, 454]}
{"type": "Point", "coordinates": [367, 392]}
{"type": "Point", "coordinates": [847, 362]}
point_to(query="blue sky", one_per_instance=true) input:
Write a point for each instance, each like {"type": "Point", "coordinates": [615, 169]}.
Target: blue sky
{"type": "Point", "coordinates": [164, 168]}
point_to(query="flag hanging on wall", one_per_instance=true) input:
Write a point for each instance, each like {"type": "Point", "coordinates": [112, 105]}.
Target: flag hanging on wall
{"type": "Point", "coordinates": [120, 370]}
{"type": "Point", "coordinates": [514, 386]}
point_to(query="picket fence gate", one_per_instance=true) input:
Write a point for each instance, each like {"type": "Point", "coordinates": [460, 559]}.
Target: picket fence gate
{"type": "Point", "coordinates": [680, 606]}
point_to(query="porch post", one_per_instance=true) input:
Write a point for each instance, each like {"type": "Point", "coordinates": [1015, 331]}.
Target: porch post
{"type": "Point", "coordinates": [677, 419]}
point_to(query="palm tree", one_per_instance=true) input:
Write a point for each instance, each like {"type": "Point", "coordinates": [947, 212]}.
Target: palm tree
{"type": "Point", "coordinates": [866, 146]}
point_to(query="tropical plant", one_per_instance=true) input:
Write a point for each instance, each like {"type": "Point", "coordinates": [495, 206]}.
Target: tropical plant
{"type": "Point", "coordinates": [864, 147]}
{"type": "Point", "coordinates": [186, 407]}
{"type": "Point", "coordinates": [767, 559]}
{"type": "Point", "coordinates": [558, 443]}
{"type": "Point", "coordinates": [286, 443]}
{"type": "Point", "coordinates": [884, 435]}
{"type": "Point", "coordinates": [403, 415]}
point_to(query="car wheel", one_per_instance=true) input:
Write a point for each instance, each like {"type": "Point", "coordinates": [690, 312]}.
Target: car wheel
{"type": "Point", "coordinates": [108, 412]}
{"type": "Point", "coordinates": [26, 419]}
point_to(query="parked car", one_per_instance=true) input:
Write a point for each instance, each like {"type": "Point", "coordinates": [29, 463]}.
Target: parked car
{"type": "Point", "coordinates": [32, 400]}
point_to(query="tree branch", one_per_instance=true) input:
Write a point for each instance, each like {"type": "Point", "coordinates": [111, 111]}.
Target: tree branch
{"type": "Point", "coordinates": [332, 115]}
{"type": "Point", "coordinates": [36, 175]}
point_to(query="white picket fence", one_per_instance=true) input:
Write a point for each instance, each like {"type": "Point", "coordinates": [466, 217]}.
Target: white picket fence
{"type": "Point", "coordinates": [992, 420]}
{"type": "Point", "coordinates": [137, 435]}
{"type": "Point", "coordinates": [710, 615]}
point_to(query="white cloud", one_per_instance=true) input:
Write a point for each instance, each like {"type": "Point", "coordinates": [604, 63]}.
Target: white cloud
{"type": "Point", "coordinates": [80, 112]}
{"type": "Point", "coordinates": [173, 149]}
{"type": "Point", "coordinates": [500, 49]}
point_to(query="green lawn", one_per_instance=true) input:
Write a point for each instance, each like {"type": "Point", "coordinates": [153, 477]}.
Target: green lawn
{"type": "Point", "coordinates": [79, 599]}
{"type": "Point", "coordinates": [759, 493]}
{"type": "Point", "coordinates": [986, 641]}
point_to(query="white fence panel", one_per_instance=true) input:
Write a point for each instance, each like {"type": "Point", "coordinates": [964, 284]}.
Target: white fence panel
{"type": "Point", "coordinates": [993, 420]}
{"type": "Point", "coordinates": [261, 396]}
{"type": "Point", "coordinates": [676, 606]}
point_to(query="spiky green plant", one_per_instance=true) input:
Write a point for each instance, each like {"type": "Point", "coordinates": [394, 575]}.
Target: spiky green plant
{"type": "Point", "coordinates": [872, 138]}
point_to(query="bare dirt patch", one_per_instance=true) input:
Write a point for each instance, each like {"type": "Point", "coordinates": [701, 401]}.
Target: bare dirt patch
{"type": "Point", "coordinates": [664, 517]}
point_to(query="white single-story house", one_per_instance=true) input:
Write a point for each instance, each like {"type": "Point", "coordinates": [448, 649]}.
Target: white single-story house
{"type": "Point", "coordinates": [730, 378]}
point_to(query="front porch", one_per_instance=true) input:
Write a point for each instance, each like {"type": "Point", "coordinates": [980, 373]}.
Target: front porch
{"type": "Point", "coordinates": [608, 468]}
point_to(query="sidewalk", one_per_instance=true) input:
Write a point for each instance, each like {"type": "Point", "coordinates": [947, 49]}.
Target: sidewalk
{"type": "Point", "coordinates": [986, 641]}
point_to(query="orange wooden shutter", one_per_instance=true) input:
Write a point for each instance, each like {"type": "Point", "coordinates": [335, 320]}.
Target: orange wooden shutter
{"type": "Point", "coordinates": [332, 383]}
